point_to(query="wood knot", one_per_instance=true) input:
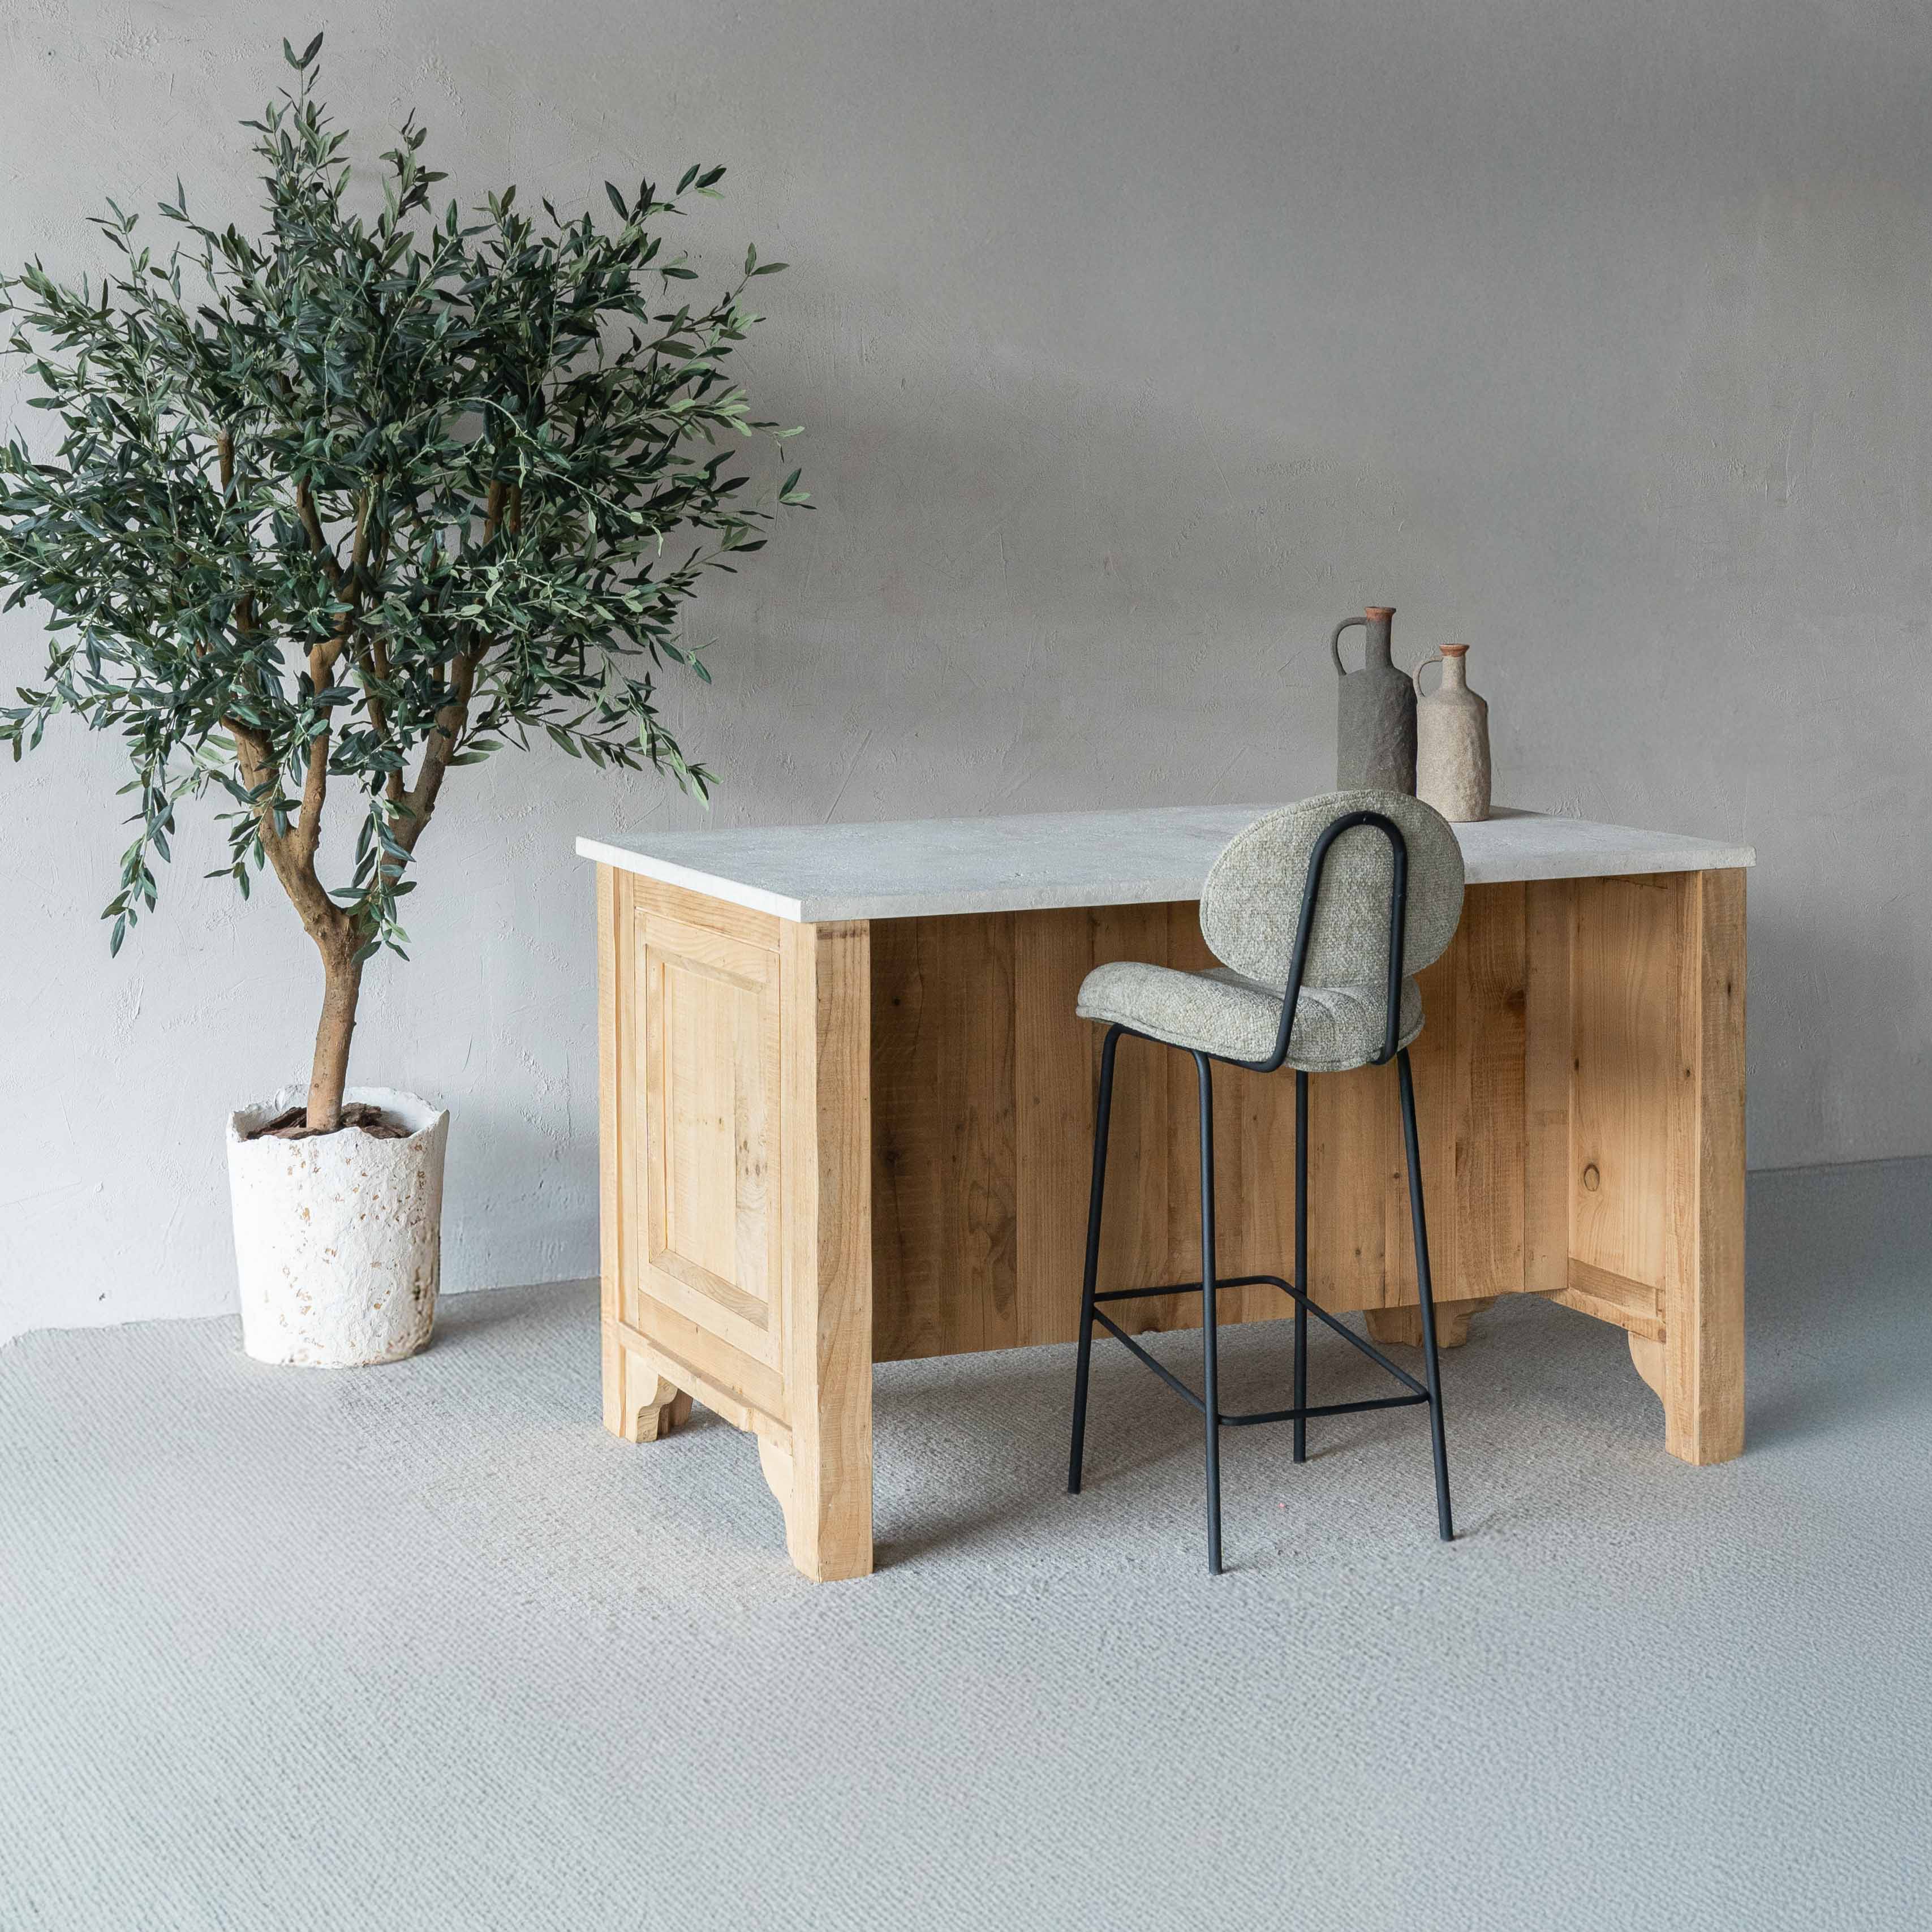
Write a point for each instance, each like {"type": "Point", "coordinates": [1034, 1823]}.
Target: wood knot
{"type": "Point", "coordinates": [1592, 1178]}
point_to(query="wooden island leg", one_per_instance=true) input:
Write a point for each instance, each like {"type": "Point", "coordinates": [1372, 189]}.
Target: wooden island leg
{"type": "Point", "coordinates": [1703, 1350]}
{"type": "Point", "coordinates": [825, 1483]}
{"type": "Point", "coordinates": [1637, 1000]}
{"type": "Point", "coordinates": [641, 1403]}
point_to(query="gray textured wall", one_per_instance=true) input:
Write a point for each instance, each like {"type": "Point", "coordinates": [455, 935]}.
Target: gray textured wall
{"type": "Point", "coordinates": [1137, 343]}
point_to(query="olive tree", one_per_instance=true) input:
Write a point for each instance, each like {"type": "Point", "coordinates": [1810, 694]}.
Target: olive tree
{"type": "Point", "coordinates": [365, 498]}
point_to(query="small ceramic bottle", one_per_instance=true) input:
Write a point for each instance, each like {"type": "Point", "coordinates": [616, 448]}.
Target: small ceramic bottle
{"type": "Point", "coordinates": [1374, 720]}
{"type": "Point", "coordinates": [1452, 742]}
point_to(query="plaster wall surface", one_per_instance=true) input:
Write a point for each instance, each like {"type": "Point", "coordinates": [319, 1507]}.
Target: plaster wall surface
{"type": "Point", "coordinates": [1135, 345]}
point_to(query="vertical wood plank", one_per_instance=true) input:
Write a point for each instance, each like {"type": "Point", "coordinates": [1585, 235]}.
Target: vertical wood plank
{"type": "Point", "coordinates": [974, 959]}
{"type": "Point", "coordinates": [1255, 1141]}
{"type": "Point", "coordinates": [944, 1166]}
{"type": "Point", "coordinates": [610, 1151]}
{"type": "Point", "coordinates": [827, 1173]}
{"type": "Point", "coordinates": [1439, 1061]}
{"type": "Point", "coordinates": [1625, 1023]}
{"type": "Point", "coordinates": [609, 1154]}
{"type": "Point", "coordinates": [633, 1143]}
{"type": "Point", "coordinates": [1353, 1162]}
{"type": "Point", "coordinates": [1144, 1215]}
{"type": "Point", "coordinates": [1550, 914]}
{"type": "Point", "coordinates": [907, 1244]}
{"type": "Point", "coordinates": [1704, 1273]}
{"type": "Point", "coordinates": [1486, 1148]}
{"type": "Point", "coordinates": [1057, 1074]}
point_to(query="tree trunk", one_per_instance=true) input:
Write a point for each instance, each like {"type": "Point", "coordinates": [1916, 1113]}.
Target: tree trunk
{"type": "Point", "coordinates": [342, 982]}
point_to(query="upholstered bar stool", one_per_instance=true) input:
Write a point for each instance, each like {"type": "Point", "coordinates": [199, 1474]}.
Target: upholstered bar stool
{"type": "Point", "coordinates": [1338, 902]}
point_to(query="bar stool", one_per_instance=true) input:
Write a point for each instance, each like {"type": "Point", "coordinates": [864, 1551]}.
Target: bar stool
{"type": "Point", "coordinates": [1340, 900]}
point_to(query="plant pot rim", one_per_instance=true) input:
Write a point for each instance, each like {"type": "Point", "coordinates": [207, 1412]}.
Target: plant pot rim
{"type": "Point", "coordinates": [421, 1117]}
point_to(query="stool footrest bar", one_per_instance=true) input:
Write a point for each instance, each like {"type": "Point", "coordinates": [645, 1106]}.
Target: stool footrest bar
{"type": "Point", "coordinates": [1173, 1381]}
{"type": "Point", "coordinates": [1323, 1408]}
{"type": "Point", "coordinates": [1233, 1421]}
{"type": "Point", "coordinates": [1288, 1288]}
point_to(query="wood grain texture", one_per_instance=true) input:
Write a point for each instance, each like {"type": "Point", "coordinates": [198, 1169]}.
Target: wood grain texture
{"type": "Point", "coordinates": [827, 1135]}
{"type": "Point", "coordinates": [943, 1167]}
{"type": "Point", "coordinates": [1646, 1355]}
{"type": "Point", "coordinates": [825, 1144]}
{"type": "Point", "coordinates": [699, 909]}
{"type": "Point", "coordinates": [610, 891]}
{"type": "Point", "coordinates": [1625, 1025]}
{"type": "Point", "coordinates": [735, 1109]}
{"type": "Point", "coordinates": [983, 1136]}
{"type": "Point", "coordinates": [1615, 1298]}
{"type": "Point", "coordinates": [641, 1404]}
{"type": "Point", "coordinates": [1652, 1225]}
{"type": "Point", "coordinates": [1402, 1326]}
{"type": "Point", "coordinates": [1549, 921]}
{"type": "Point", "coordinates": [711, 1077]}
{"type": "Point", "coordinates": [1704, 1266]}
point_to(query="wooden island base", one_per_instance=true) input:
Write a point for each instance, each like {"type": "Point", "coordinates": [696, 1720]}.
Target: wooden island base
{"type": "Point", "coordinates": [825, 1145]}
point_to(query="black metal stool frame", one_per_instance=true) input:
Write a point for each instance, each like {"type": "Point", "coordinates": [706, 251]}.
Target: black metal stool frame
{"type": "Point", "coordinates": [1207, 1402]}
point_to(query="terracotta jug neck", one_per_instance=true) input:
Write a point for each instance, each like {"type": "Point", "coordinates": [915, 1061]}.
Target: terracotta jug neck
{"type": "Point", "coordinates": [1455, 671]}
{"type": "Point", "coordinates": [1379, 623]}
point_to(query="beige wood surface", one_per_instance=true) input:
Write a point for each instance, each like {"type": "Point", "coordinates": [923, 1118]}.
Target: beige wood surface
{"type": "Point", "coordinates": [824, 1145]}
{"type": "Point", "coordinates": [736, 1174]}
{"type": "Point", "coordinates": [828, 1251]}
{"type": "Point", "coordinates": [1402, 1326]}
{"type": "Point", "coordinates": [1704, 1255]}
{"type": "Point", "coordinates": [983, 1083]}
{"type": "Point", "coordinates": [1653, 1033]}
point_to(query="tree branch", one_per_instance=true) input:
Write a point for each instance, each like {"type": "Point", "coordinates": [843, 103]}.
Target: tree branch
{"type": "Point", "coordinates": [504, 502]}
{"type": "Point", "coordinates": [224, 452]}
{"type": "Point", "coordinates": [315, 792]}
{"type": "Point", "coordinates": [293, 865]}
{"type": "Point", "coordinates": [311, 523]}
{"type": "Point", "coordinates": [372, 675]}
{"type": "Point", "coordinates": [450, 719]}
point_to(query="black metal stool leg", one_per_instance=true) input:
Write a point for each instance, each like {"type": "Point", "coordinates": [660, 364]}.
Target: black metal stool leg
{"type": "Point", "coordinates": [1101, 1113]}
{"type": "Point", "coordinates": [1210, 1396]}
{"type": "Point", "coordinates": [1419, 1225]}
{"type": "Point", "coordinates": [1300, 1261]}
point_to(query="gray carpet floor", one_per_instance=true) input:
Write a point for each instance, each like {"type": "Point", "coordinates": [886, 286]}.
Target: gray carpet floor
{"type": "Point", "coordinates": [422, 1647]}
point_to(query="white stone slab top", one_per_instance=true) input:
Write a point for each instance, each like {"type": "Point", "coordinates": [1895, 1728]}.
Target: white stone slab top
{"type": "Point", "coordinates": [919, 868]}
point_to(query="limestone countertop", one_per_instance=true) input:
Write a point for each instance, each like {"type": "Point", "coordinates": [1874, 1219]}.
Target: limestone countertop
{"type": "Point", "coordinates": [918, 868]}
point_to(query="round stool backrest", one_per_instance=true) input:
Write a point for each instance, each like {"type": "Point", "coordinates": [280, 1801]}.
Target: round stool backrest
{"type": "Point", "coordinates": [1251, 904]}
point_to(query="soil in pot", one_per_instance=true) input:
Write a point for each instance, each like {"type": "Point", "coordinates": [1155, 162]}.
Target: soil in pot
{"type": "Point", "coordinates": [293, 1125]}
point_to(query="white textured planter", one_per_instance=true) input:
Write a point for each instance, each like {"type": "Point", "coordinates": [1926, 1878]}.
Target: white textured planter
{"type": "Point", "coordinates": [338, 1239]}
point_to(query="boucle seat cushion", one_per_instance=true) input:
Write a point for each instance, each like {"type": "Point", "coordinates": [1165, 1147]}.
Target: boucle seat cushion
{"type": "Point", "coordinates": [1220, 1012]}
{"type": "Point", "coordinates": [1250, 909]}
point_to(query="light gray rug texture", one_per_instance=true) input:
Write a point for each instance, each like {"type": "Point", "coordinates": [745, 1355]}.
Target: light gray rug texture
{"type": "Point", "coordinates": [421, 1646]}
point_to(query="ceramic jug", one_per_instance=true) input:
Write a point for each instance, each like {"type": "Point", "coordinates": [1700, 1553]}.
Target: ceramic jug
{"type": "Point", "coordinates": [1452, 741]}
{"type": "Point", "coordinates": [1375, 724]}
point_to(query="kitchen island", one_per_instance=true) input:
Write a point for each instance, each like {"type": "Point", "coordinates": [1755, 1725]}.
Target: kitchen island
{"type": "Point", "coordinates": [846, 1115]}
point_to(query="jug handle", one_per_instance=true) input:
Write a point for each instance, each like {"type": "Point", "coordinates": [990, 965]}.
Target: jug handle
{"type": "Point", "coordinates": [1434, 657]}
{"type": "Point", "coordinates": [1335, 642]}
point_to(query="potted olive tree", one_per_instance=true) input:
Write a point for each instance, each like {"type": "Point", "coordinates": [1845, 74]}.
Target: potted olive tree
{"type": "Point", "coordinates": [325, 514]}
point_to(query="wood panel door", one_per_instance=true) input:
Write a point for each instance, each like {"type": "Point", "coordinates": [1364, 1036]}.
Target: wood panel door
{"type": "Point", "coordinates": [708, 1055]}
{"type": "Point", "coordinates": [737, 1123]}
